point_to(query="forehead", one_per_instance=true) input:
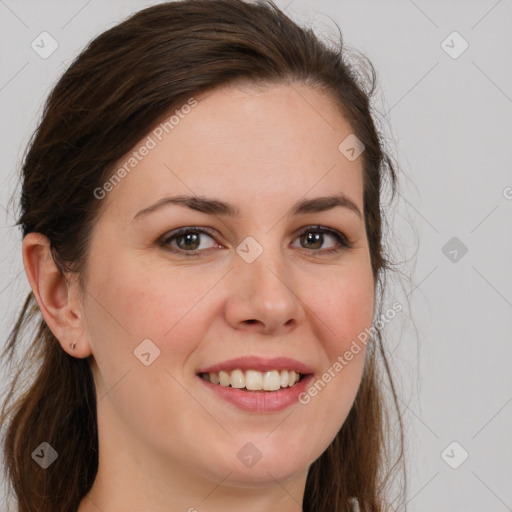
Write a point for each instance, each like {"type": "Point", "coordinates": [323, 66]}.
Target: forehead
{"type": "Point", "coordinates": [252, 146]}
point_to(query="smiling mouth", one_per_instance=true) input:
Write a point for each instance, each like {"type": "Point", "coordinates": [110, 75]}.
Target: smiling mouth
{"type": "Point", "coordinates": [254, 380]}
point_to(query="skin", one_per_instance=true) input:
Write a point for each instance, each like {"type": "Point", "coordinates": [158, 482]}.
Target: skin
{"type": "Point", "coordinates": [166, 442]}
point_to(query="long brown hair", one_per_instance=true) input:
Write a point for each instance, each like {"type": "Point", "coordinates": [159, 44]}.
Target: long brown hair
{"type": "Point", "coordinates": [106, 101]}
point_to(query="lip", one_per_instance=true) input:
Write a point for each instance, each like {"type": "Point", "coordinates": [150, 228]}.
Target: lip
{"type": "Point", "coordinates": [260, 401]}
{"type": "Point", "coordinates": [259, 363]}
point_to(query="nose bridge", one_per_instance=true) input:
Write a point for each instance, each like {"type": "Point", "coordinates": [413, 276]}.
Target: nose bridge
{"type": "Point", "coordinates": [262, 261]}
{"type": "Point", "coordinates": [263, 288]}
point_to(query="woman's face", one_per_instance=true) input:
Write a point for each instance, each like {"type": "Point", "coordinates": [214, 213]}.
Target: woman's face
{"type": "Point", "coordinates": [262, 283]}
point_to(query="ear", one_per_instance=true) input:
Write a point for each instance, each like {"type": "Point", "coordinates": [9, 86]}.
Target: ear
{"type": "Point", "coordinates": [57, 297]}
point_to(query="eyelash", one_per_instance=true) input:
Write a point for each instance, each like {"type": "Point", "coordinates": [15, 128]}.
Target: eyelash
{"type": "Point", "coordinates": [339, 237]}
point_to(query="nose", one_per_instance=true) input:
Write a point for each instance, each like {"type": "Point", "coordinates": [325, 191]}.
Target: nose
{"type": "Point", "coordinates": [263, 295]}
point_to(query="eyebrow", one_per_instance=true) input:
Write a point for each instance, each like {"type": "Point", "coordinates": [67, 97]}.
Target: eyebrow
{"type": "Point", "coordinates": [216, 207]}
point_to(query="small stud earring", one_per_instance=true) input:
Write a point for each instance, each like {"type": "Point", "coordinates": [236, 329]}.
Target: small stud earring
{"type": "Point", "coordinates": [72, 345]}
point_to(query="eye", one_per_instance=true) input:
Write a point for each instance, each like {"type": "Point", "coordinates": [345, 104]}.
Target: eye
{"type": "Point", "coordinates": [314, 237]}
{"type": "Point", "coordinates": [187, 241]}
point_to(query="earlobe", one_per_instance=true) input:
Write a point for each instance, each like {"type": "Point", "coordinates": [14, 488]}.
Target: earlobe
{"type": "Point", "coordinates": [53, 293]}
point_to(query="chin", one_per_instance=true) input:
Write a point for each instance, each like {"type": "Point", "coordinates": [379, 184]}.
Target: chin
{"type": "Point", "coordinates": [262, 462]}
{"type": "Point", "coordinates": [261, 475]}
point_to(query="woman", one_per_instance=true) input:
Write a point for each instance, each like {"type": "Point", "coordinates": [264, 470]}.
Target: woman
{"type": "Point", "coordinates": [202, 236]}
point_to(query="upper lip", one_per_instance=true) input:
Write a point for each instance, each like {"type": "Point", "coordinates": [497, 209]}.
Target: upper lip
{"type": "Point", "coordinates": [261, 364]}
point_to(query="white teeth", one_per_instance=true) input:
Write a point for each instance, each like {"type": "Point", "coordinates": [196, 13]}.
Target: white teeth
{"type": "Point", "coordinates": [224, 379]}
{"type": "Point", "coordinates": [254, 380]}
{"type": "Point", "coordinates": [237, 379]}
{"type": "Point", "coordinates": [271, 381]}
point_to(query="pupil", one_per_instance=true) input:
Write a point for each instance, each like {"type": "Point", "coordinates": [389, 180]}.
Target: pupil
{"type": "Point", "coordinates": [312, 238]}
{"type": "Point", "coordinates": [189, 237]}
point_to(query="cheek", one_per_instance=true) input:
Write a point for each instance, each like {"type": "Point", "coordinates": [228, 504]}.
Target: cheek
{"type": "Point", "coordinates": [343, 313]}
{"type": "Point", "coordinates": [132, 304]}
{"type": "Point", "coordinates": [136, 303]}
{"type": "Point", "coordinates": [346, 312]}
{"type": "Point", "coordinates": [346, 308]}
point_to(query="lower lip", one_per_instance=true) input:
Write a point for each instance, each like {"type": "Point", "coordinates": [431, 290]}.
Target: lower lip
{"type": "Point", "coordinates": [260, 401]}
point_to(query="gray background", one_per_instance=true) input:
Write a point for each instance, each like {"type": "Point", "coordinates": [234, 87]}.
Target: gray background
{"type": "Point", "coordinates": [448, 125]}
